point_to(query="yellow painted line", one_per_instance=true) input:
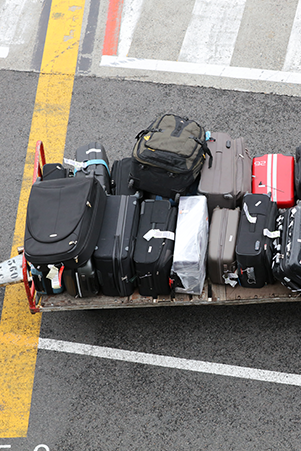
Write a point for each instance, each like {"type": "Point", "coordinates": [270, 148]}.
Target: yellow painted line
{"type": "Point", "coordinates": [19, 329]}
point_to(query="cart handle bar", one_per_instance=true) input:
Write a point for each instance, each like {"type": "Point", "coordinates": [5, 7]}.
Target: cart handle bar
{"type": "Point", "coordinates": [39, 161]}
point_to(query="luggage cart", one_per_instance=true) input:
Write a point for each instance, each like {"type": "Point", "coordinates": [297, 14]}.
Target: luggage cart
{"type": "Point", "coordinates": [17, 270]}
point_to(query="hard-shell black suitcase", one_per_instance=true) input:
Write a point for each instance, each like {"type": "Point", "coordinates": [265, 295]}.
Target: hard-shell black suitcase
{"type": "Point", "coordinates": [63, 221]}
{"type": "Point", "coordinates": [113, 256]}
{"type": "Point", "coordinates": [221, 247]}
{"type": "Point", "coordinates": [254, 246]}
{"type": "Point", "coordinates": [82, 281]}
{"type": "Point", "coordinates": [154, 247]}
{"type": "Point", "coordinates": [120, 174]}
{"type": "Point", "coordinates": [229, 178]}
{"type": "Point", "coordinates": [286, 264]}
{"type": "Point", "coordinates": [168, 156]}
{"type": "Point", "coordinates": [95, 158]}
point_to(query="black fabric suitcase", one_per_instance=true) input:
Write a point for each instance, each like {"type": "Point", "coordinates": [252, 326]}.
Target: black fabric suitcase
{"type": "Point", "coordinates": [286, 264]}
{"type": "Point", "coordinates": [229, 178]}
{"type": "Point", "coordinates": [254, 247]}
{"type": "Point", "coordinates": [113, 256]}
{"type": "Point", "coordinates": [63, 221]}
{"type": "Point", "coordinates": [168, 156]}
{"type": "Point", "coordinates": [96, 159]}
{"type": "Point", "coordinates": [154, 247]}
{"type": "Point", "coordinates": [120, 175]}
{"type": "Point", "coordinates": [82, 281]}
{"type": "Point", "coordinates": [221, 247]}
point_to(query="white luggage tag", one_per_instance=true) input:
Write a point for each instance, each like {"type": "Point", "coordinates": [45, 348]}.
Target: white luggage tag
{"type": "Point", "coordinates": [269, 234]}
{"type": "Point", "coordinates": [156, 233]}
{"type": "Point", "coordinates": [54, 276]}
{"type": "Point", "coordinates": [76, 164]}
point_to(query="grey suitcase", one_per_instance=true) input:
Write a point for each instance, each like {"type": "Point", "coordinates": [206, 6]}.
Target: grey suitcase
{"type": "Point", "coordinates": [229, 178]}
{"type": "Point", "coordinates": [221, 247]}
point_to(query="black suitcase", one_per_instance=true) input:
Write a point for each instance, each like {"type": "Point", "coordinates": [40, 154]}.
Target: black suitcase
{"type": "Point", "coordinates": [63, 221]}
{"type": "Point", "coordinates": [96, 159]}
{"type": "Point", "coordinates": [286, 264]}
{"type": "Point", "coordinates": [254, 246]}
{"type": "Point", "coordinates": [81, 282]}
{"type": "Point", "coordinates": [120, 177]}
{"type": "Point", "coordinates": [113, 256]}
{"type": "Point", "coordinates": [298, 172]}
{"type": "Point", "coordinates": [154, 247]}
{"type": "Point", "coordinates": [168, 156]}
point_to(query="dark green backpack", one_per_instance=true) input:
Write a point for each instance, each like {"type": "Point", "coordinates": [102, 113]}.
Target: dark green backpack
{"type": "Point", "coordinates": [171, 152]}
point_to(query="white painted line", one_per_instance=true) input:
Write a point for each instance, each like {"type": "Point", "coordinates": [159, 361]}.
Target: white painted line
{"type": "Point", "coordinates": [211, 35]}
{"type": "Point", "coordinates": [170, 362]}
{"type": "Point", "coordinates": [10, 13]}
{"type": "Point", "coordinates": [201, 69]}
{"type": "Point", "coordinates": [4, 52]}
{"type": "Point", "coordinates": [130, 16]}
{"type": "Point", "coordinates": [293, 53]}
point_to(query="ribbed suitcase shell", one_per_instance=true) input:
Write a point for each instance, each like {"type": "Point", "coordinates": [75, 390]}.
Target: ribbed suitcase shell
{"type": "Point", "coordinates": [229, 178]}
{"type": "Point", "coordinates": [275, 174]}
{"type": "Point", "coordinates": [222, 242]}
{"type": "Point", "coordinates": [254, 249]}
{"type": "Point", "coordinates": [115, 247]}
{"type": "Point", "coordinates": [153, 258]}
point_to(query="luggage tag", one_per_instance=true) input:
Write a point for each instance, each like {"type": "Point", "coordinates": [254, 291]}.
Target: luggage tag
{"type": "Point", "coordinates": [79, 165]}
{"type": "Point", "coordinates": [156, 233]}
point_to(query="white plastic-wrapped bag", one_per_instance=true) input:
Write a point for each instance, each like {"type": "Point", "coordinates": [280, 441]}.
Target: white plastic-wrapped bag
{"type": "Point", "coordinates": [191, 240]}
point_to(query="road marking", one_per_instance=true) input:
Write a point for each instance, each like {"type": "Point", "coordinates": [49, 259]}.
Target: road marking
{"type": "Point", "coordinates": [201, 69]}
{"type": "Point", "coordinates": [130, 17]}
{"type": "Point", "coordinates": [198, 366]}
{"type": "Point", "coordinates": [19, 330]}
{"type": "Point", "coordinates": [110, 43]}
{"type": "Point", "coordinates": [211, 35]}
{"type": "Point", "coordinates": [293, 54]}
{"type": "Point", "coordinates": [4, 51]}
{"type": "Point", "coordinates": [9, 17]}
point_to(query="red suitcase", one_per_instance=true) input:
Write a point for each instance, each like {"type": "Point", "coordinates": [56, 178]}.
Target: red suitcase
{"type": "Point", "coordinates": [274, 173]}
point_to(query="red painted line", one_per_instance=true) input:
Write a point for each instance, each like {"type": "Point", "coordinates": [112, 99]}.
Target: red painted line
{"type": "Point", "coordinates": [110, 43]}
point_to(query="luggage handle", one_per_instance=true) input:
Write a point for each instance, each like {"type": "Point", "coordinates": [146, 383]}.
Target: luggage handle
{"type": "Point", "coordinates": [115, 261]}
{"type": "Point", "coordinates": [251, 219]}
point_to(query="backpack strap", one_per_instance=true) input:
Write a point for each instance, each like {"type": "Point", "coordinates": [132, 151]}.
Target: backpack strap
{"type": "Point", "coordinates": [205, 149]}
